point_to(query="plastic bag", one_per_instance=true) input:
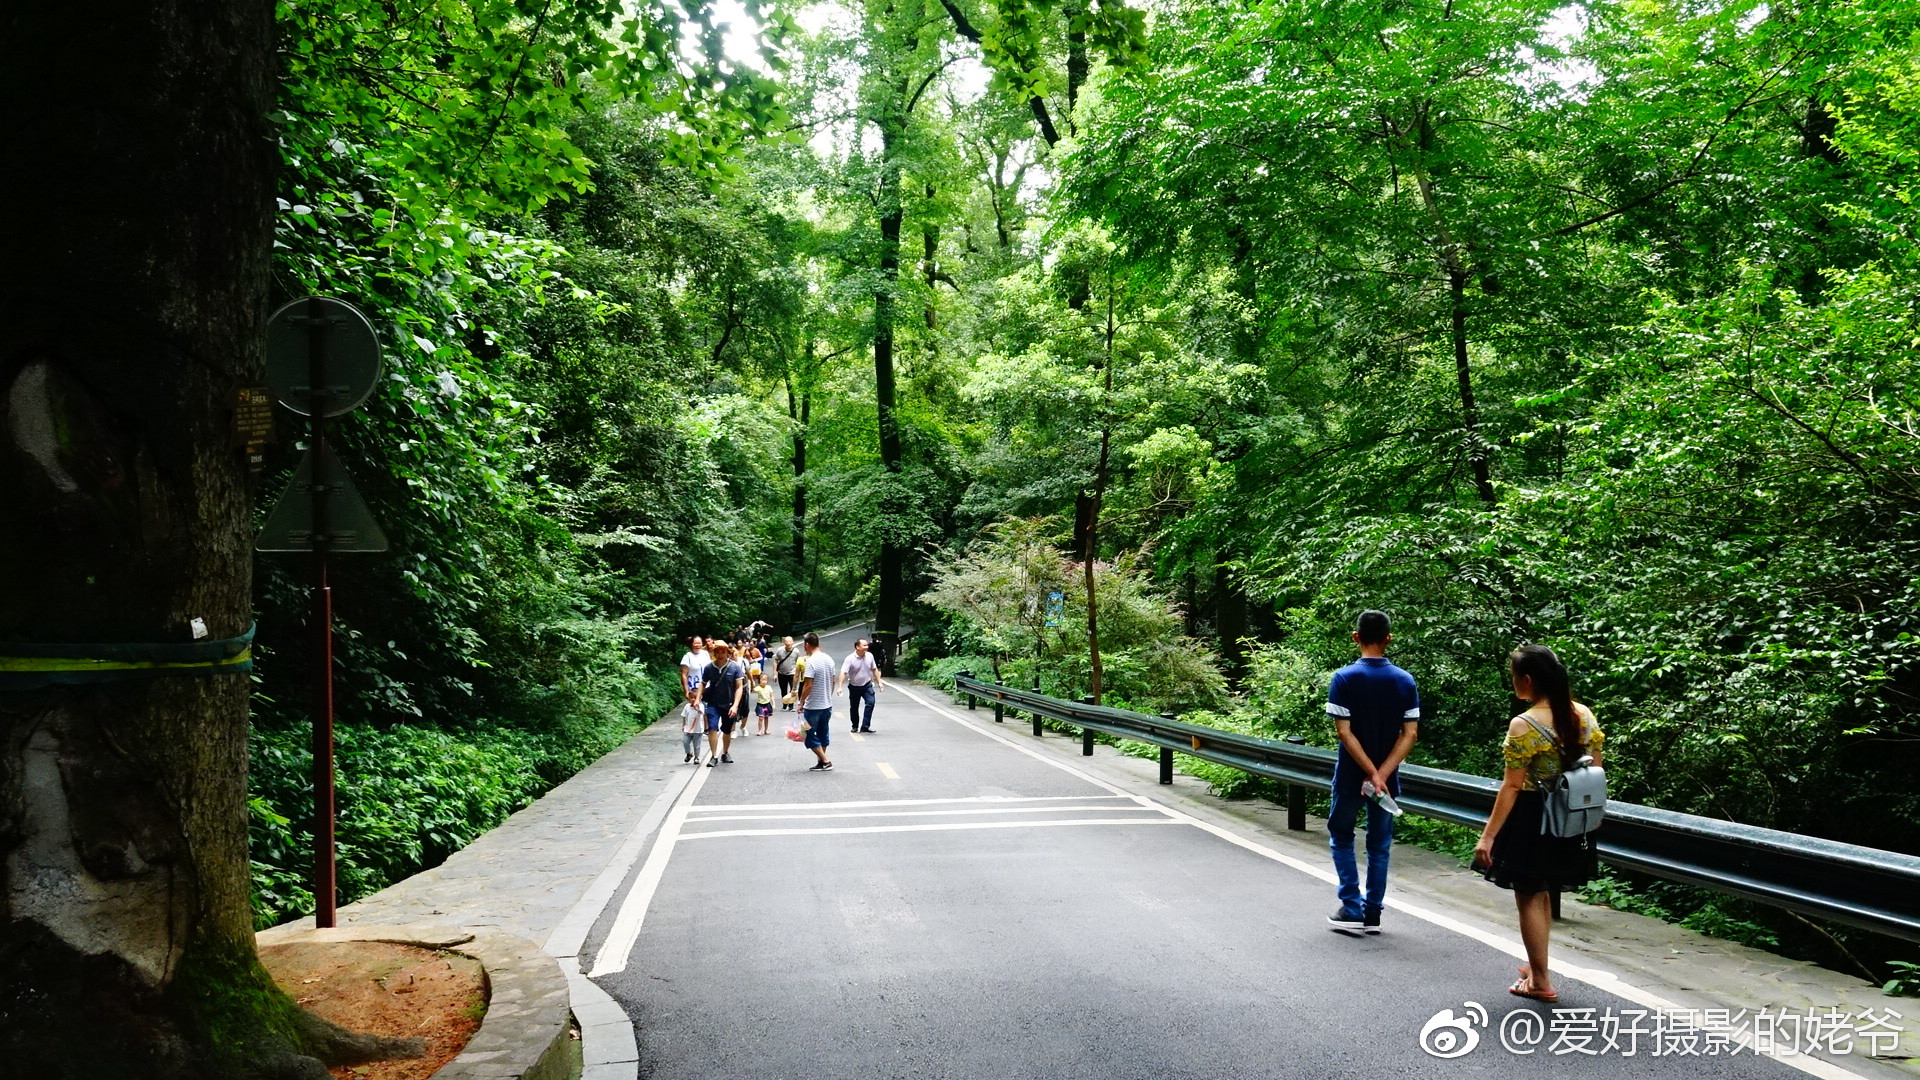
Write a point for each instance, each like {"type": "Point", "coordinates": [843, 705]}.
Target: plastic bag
{"type": "Point", "coordinates": [797, 730]}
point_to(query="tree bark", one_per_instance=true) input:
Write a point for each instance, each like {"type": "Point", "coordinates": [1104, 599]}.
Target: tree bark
{"type": "Point", "coordinates": [892, 206]}
{"type": "Point", "coordinates": [1229, 618]}
{"type": "Point", "coordinates": [1096, 670]}
{"type": "Point", "coordinates": [1042, 119]}
{"type": "Point", "coordinates": [930, 267]}
{"type": "Point", "coordinates": [1469, 413]}
{"type": "Point", "coordinates": [800, 409]}
{"type": "Point", "coordinates": [131, 308]}
{"type": "Point", "coordinates": [1077, 66]}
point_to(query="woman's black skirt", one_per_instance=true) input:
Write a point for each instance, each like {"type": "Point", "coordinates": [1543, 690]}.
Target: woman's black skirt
{"type": "Point", "coordinates": [1528, 861]}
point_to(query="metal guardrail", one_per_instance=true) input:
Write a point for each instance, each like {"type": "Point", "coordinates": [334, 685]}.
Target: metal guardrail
{"type": "Point", "coordinates": [826, 620]}
{"type": "Point", "coordinates": [1846, 883]}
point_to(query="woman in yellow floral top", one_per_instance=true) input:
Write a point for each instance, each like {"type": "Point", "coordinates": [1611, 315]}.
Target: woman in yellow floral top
{"type": "Point", "coordinates": [1514, 852]}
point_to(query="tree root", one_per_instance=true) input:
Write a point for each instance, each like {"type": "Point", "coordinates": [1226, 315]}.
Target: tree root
{"type": "Point", "coordinates": [334, 1045]}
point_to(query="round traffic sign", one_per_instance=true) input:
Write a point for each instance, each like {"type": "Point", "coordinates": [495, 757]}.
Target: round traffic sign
{"type": "Point", "coordinates": [328, 337]}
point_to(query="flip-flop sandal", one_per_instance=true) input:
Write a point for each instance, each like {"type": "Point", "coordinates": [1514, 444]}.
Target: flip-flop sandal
{"type": "Point", "coordinates": [1521, 988]}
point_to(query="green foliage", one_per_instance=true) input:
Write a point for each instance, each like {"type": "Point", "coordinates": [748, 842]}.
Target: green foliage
{"type": "Point", "coordinates": [1905, 982]}
{"type": "Point", "coordinates": [997, 594]}
{"type": "Point", "coordinates": [1696, 909]}
{"type": "Point", "coordinates": [939, 673]}
{"type": "Point", "coordinates": [1590, 326]}
{"type": "Point", "coordinates": [409, 795]}
{"type": "Point", "coordinates": [522, 199]}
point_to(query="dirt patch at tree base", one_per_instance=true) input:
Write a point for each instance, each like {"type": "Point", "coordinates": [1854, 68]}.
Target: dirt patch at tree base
{"type": "Point", "coordinates": [381, 988]}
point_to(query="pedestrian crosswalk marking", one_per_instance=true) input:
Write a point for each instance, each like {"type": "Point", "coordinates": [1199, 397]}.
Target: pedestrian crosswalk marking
{"type": "Point", "coordinates": [886, 770]}
{"type": "Point", "coordinates": [712, 808]}
{"type": "Point", "coordinates": [933, 813]}
{"type": "Point", "coordinates": [940, 826]}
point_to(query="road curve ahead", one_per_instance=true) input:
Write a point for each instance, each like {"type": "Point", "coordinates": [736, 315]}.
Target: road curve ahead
{"type": "Point", "coordinates": [947, 903]}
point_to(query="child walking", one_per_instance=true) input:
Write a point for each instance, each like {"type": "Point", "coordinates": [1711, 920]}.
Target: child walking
{"type": "Point", "coordinates": [762, 700]}
{"type": "Point", "coordinates": [693, 726]}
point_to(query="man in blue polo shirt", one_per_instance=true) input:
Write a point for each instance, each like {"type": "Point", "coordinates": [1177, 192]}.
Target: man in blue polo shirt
{"type": "Point", "coordinates": [1376, 712]}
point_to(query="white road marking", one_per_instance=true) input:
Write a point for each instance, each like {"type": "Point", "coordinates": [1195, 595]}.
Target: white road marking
{"type": "Point", "coordinates": [1600, 979]}
{"type": "Point", "coordinates": [938, 826]}
{"type": "Point", "coordinates": [928, 813]}
{"type": "Point", "coordinates": [711, 808]}
{"type": "Point", "coordinates": [633, 910]}
{"type": "Point", "coordinates": [570, 935]}
{"type": "Point", "coordinates": [886, 770]}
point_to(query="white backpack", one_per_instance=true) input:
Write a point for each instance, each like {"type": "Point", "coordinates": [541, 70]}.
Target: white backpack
{"type": "Point", "coordinates": [1575, 800]}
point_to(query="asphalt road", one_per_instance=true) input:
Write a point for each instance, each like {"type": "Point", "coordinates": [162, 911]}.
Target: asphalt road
{"type": "Point", "coordinates": [943, 904]}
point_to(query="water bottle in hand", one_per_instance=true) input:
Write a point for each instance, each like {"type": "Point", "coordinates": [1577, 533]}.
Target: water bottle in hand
{"type": "Point", "coordinates": [1385, 800]}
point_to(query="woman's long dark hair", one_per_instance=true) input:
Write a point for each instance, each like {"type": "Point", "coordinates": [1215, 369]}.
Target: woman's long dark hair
{"type": "Point", "coordinates": [1549, 675]}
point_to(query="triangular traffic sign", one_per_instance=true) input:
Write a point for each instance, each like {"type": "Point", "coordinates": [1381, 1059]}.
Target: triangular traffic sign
{"type": "Point", "coordinates": [350, 525]}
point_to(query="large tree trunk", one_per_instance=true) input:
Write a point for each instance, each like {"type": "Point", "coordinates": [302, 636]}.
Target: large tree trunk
{"type": "Point", "coordinates": [1091, 552]}
{"type": "Point", "coordinates": [1463, 371]}
{"type": "Point", "coordinates": [800, 409]}
{"type": "Point", "coordinates": [131, 303]}
{"type": "Point", "coordinates": [1077, 65]}
{"type": "Point", "coordinates": [892, 208]}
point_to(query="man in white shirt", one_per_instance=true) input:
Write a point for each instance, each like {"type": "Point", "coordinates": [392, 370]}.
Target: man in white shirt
{"type": "Point", "coordinates": [816, 701]}
{"type": "Point", "coordinates": [861, 676]}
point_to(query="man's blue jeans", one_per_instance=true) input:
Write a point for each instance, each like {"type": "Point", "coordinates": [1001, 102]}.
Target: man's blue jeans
{"type": "Point", "coordinates": [1340, 822]}
{"type": "Point", "coordinates": [857, 696]}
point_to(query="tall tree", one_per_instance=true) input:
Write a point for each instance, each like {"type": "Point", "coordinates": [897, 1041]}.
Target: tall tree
{"type": "Point", "coordinates": [134, 299]}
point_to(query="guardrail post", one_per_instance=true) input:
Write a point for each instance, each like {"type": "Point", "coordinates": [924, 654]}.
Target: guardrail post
{"type": "Point", "coordinates": [1166, 753]}
{"type": "Point", "coordinates": [999, 711]}
{"type": "Point", "coordinates": [1036, 716]}
{"type": "Point", "coordinates": [1296, 797]}
{"type": "Point", "coordinates": [1086, 733]}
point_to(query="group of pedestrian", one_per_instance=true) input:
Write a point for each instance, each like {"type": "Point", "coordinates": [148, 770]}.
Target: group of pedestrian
{"type": "Point", "coordinates": [722, 681]}
{"type": "Point", "coordinates": [1375, 706]}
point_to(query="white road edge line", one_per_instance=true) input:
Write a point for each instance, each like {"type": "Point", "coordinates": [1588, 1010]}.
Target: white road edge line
{"type": "Point", "coordinates": [567, 936]}
{"type": "Point", "coordinates": [935, 826]}
{"type": "Point", "coordinates": [1598, 978]}
{"type": "Point", "coordinates": [991, 800]}
{"type": "Point", "coordinates": [633, 910]}
{"type": "Point", "coordinates": [608, 1044]}
{"type": "Point", "coordinates": [927, 813]}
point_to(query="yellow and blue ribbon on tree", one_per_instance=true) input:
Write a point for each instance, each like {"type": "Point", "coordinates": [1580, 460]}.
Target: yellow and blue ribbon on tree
{"type": "Point", "coordinates": [34, 666]}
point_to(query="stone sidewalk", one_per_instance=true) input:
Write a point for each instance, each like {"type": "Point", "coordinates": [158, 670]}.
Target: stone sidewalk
{"type": "Point", "coordinates": [526, 874]}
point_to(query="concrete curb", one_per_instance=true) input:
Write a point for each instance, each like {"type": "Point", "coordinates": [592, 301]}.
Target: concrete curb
{"type": "Point", "coordinates": [524, 1034]}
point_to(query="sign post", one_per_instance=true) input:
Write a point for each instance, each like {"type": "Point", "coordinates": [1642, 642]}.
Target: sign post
{"type": "Point", "coordinates": [322, 361]}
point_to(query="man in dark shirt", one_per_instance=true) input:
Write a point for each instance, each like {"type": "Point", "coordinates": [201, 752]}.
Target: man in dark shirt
{"type": "Point", "coordinates": [1376, 712]}
{"type": "Point", "coordinates": [720, 690]}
